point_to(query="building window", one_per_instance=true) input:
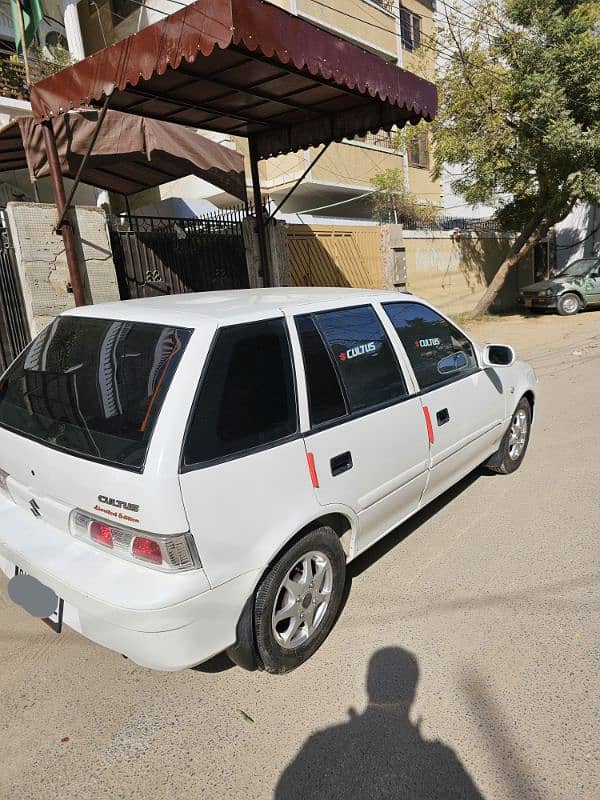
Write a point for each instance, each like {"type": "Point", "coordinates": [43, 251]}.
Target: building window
{"type": "Point", "coordinates": [121, 9]}
{"type": "Point", "coordinates": [410, 26]}
{"type": "Point", "coordinates": [418, 150]}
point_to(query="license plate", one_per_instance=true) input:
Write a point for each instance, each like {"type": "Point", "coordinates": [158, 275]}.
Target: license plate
{"type": "Point", "coordinates": [528, 302]}
{"type": "Point", "coordinates": [55, 619]}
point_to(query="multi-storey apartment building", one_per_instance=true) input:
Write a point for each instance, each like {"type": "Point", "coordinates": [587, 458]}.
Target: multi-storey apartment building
{"type": "Point", "coordinates": [397, 30]}
{"type": "Point", "coordinates": [57, 42]}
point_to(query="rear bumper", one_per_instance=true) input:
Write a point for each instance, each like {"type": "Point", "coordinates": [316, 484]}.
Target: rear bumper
{"type": "Point", "coordinates": [161, 621]}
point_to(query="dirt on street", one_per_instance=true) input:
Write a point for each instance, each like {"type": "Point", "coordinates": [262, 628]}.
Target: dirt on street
{"type": "Point", "coordinates": [465, 663]}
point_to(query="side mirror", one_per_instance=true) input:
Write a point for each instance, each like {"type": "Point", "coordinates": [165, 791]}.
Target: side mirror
{"type": "Point", "coordinates": [452, 363]}
{"type": "Point", "coordinates": [498, 355]}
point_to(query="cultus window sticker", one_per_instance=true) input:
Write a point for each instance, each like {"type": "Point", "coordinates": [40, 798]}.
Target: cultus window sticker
{"type": "Point", "coordinates": [428, 342]}
{"type": "Point", "coordinates": [360, 350]}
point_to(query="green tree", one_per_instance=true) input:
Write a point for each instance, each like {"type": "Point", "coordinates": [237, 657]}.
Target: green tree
{"type": "Point", "coordinates": [520, 111]}
{"type": "Point", "coordinates": [391, 195]}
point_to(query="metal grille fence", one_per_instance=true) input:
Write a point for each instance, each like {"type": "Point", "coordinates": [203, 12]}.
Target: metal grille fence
{"type": "Point", "coordinates": [166, 255]}
{"type": "Point", "coordinates": [14, 329]}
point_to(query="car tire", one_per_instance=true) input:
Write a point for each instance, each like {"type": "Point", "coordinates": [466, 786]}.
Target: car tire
{"type": "Point", "coordinates": [298, 600]}
{"type": "Point", "coordinates": [513, 446]}
{"type": "Point", "coordinates": [568, 304]}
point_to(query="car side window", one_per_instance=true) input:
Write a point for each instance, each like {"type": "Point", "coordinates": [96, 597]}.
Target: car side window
{"type": "Point", "coordinates": [325, 397]}
{"type": "Point", "coordinates": [247, 398]}
{"type": "Point", "coordinates": [363, 356]}
{"type": "Point", "coordinates": [436, 349]}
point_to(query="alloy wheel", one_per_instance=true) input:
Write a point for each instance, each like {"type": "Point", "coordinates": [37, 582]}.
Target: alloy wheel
{"type": "Point", "coordinates": [302, 600]}
{"type": "Point", "coordinates": [518, 435]}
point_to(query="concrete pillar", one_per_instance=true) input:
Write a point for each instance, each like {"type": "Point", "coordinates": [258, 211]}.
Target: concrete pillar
{"type": "Point", "coordinates": [73, 29]}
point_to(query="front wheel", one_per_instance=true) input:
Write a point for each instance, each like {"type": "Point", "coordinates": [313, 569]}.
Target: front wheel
{"type": "Point", "coordinates": [568, 304]}
{"type": "Point", "coordinates": [298, 600]}
{"type": "Point", "coordinates": [513, 446]}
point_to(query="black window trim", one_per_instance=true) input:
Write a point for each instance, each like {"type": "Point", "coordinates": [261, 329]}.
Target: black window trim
{"type": "Point", "coordinates": [340, 384]}
{"type": "Point", "coordinates": [453, 378]}
{"type": "Point", "coordinates": [249, 451]}
{"type": "Point", "coordinates": [352, 415]}
{"type": "Point", "coordinates": [89, 457]}
{"type": "Point", "coordinates": [384, 406]}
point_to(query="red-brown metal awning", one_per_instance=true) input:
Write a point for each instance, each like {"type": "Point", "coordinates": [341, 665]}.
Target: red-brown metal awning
{"type": "Point", "coordinates": [242, 67]}
{"type": "Point", "coordinates": [247, 68]}
{"type": "Point", "coordinates": [131, 154]}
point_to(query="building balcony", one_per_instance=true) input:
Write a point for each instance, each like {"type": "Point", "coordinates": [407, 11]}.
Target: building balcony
{"type": "Point", "coordinates": [13, 80]}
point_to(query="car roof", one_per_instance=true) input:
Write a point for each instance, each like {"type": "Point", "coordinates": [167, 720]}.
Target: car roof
{"type": "Point", "coordinates": [204, 309]}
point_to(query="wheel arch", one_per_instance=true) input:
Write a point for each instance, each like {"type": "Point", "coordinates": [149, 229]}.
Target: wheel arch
{"type": "Point", "coordinates": [243, 652]}
{"type": "Point", "coordinates": [529, 395]}
{"type": "Point", "coordinates": [577, 293]}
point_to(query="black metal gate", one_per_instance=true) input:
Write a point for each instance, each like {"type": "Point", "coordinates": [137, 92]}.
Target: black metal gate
{"type": "Point", "coordinates": [14, 328]}
{"type": "Point", "coordinates": [160, 255]}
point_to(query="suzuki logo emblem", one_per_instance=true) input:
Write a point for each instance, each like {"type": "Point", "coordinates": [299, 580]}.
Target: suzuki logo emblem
{"type": "Point", "coordinates": [35, 509]}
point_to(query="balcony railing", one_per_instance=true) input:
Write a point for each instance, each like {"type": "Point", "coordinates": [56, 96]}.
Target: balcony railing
{"type": "Point", "coordinates": [13, 80]}
{"type": "Point", "coordinates": [387, 5]}
{"type": "Point", "coordinates": [382, 140]}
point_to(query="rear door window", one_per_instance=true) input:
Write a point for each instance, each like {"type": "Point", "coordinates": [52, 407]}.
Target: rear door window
{"type": "Point", "coordinates": [93, 387]}
{"type": "Point", "coordinates": [325, 397]}
{"type": "Point", "coordinates": [247, 399]}
{"type": "Point", "coordinates": [361, 351]}
{"type": "Point", "coordinates": [436, 349]}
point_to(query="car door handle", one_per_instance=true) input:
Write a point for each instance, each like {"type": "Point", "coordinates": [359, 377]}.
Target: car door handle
{"type": "Point", "coordinates": [443, 416]}
{"type": "Point", "coordinates": [341, 463]}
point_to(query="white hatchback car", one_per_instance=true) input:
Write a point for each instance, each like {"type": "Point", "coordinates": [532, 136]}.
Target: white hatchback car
{"type": "Point", "coordinates": [191, 474]}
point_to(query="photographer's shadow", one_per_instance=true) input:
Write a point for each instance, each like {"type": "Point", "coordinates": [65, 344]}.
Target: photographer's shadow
{"type": "Point", "coordinates": [380, 753]}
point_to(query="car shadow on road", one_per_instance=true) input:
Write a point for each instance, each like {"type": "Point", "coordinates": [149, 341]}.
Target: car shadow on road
{"type": "Point", "coordinates": [402, 532]}
{"type": "Point", "coordinates": [380, 753]}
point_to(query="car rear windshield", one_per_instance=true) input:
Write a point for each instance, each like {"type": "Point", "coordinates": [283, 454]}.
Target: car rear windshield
{"type": "Point", "coordinates": [93, 387]}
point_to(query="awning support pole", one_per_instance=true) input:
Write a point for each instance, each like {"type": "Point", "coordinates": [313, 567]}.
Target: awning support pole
{"type": "Point", "coordinates": [84, 160]}
{"type": "Point", "coordinates": [299, 181]}
{"type": "Point", "coordinates": [66, 230]}
{"type": "Point", "coordinates": [261, 230]}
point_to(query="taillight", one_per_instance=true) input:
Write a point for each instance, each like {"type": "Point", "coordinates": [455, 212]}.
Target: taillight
{"type": "Point", "coordinates": [101, 533]}
{"type": "Point", "coordinates": [167, 553]}
{"type": "Point", "coordinates": [147, 550]}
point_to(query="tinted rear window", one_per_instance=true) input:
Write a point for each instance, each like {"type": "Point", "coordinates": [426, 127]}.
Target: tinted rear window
{"type": "Point", "coordinates": [247, 399]}
{"type": "Point", "coordinates": [93, 387]}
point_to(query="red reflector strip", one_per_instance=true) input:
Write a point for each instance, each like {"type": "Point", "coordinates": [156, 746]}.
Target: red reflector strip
{"type": "Point", "coordinates": [312, 470]}
{"type": "Point", "coordinates": [429, 425]}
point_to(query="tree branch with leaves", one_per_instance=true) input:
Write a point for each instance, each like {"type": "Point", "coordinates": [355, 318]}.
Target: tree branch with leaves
{"type": "Point", "coordinates": [520, 113]}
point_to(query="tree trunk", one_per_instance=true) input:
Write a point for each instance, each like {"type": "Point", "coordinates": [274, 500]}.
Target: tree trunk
{"type": "Point", "coordinates": [533, 232]}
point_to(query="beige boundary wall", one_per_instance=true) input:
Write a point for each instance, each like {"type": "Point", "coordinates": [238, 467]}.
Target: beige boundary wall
{"type": "Point", "coordinates": [40, 257]}
{"type": "Point", "coordinates": [453, 271]}
{"type": "Point", "coordinates": [450, 269]}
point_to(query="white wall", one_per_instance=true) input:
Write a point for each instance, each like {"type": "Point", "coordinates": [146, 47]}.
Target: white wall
{"type": "Point", "coordinates": [40, 256]}
{"type": "Point", "coordinates": [578, 235]}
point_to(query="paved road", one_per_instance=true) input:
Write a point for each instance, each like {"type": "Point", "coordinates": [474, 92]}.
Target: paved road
{"type": "Point", "coordinates": [465, 663]}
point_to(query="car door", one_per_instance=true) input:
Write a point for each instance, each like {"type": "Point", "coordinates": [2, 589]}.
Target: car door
{"type": "Point", "coordinates": [464, 405]}
{"type": "Point", "coordinates": [243, 477]}
{"type": "Point", "coordinates": [592, 285]}
{"type": "Point", "coordinates": [366, 441]}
